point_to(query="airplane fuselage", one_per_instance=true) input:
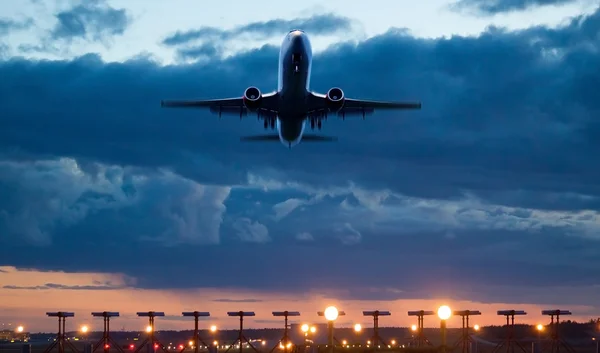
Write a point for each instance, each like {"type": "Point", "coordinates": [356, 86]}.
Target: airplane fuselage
{"type": "Point", "coordinates": [293, 102]}
{"type": "Point", "coordinates": [295, 63]}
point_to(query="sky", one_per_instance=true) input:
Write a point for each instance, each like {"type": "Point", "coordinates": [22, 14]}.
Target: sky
{"type": "Point", "coordinates": [485, 199]}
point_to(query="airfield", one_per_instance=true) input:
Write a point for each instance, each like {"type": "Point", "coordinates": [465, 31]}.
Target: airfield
{"type": "Point", "coordinates": [320, 335]}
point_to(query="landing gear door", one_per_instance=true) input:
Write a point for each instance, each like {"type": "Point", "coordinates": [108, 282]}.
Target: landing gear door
{"type": "Point", "coordinates": [296, 59]}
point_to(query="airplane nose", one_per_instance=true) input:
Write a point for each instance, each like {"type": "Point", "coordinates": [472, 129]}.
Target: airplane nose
{"type": "Point", "coordinates": [297, 41]}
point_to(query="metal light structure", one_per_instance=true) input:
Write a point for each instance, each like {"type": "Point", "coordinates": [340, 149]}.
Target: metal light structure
{"type": "Point", "coordinates": [60, 337]}
{"type": "Point", "coordinates": [331, 314]}
{"type": "Point", "coordinates": [420, 337]}
{"type": "Point", "coordinates": [376, 314]}
{"type": "Point", "coordinates": [196, 339]}
{"type": "Point", "coordinates": [241, 338]}
{"type": "Point", "coordinates": [444, 313]}
{"type": "Point", "coordinates": [285, 339]}
{"type": "Point", "coordinates": [105, 341]}
{"type": "Point", "coordinates": [510, 341]}
{"type": "Point", "coordinates": [466, 340]}
{"type": "Point", "coordinates": [556, 341]}
{"type": "Point", "coordinates": [151, 339]}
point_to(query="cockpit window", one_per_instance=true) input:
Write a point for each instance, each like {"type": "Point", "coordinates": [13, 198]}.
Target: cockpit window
{"type": "Point", "coordinates": [296, 58]}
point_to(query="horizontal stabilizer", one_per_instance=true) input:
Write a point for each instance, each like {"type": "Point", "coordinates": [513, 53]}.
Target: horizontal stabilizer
{"type": "Point", "coordinates": [260, 138]}
{"type": "Point", "coordinates": [307, 138]}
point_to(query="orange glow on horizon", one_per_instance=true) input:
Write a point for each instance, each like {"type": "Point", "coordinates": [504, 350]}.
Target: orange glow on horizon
{"type": "Point", "coordinates": [24, 305]}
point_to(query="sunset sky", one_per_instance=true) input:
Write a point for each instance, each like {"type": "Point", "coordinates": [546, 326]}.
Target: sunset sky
{"type": "Point", "coordinates": [486, 199]}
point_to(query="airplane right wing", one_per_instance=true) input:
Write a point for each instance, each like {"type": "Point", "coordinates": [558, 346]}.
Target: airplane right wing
{"type": "Point", "coordinates": [267, 106]}
{"type": "Point", "coordinates": [320, 105]}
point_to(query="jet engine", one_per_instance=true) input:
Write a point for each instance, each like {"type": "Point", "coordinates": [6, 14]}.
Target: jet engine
{"type": "Point", "coordinates": [335, 99]}
{"type": "Point", "coordinates": [252, 97]}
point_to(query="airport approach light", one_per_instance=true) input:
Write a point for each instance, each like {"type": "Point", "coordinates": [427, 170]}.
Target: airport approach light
{"type": "Point", "coordinates": [196, 338]}
{"type": "Point", "coordinates": [331, 313]}
{"type": "Point", "coordinates": [556, 339]}
{"type": "Point", "coordinates": [313, 329]}
{"type": "Point", "coordinates": [304, 328]}
{"type": "Point", "coordinates": [20, 329]}
{"type": "Point", "coordinates": [376, 314]}
{"type": "Point", "coordinates": [106, 339]}
{"type": "Point", "coordinates": [357, 328]}
{"type": "Point", "coordinates": [540, 327]}
{"type": "Point", "coordinates": [285, 314]}
{"type": "Point", "coordinates": [444, 312]}
{"type": "Point", "coordinates": [465, 340]}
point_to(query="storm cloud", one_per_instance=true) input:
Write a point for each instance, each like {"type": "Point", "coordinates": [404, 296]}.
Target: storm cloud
{"type": "Point", "coordinates": [491, 7]}
{"type": "Point", "coordinates": [212, 42]}
{"type": "Point", "coordinates": [492, 182]}
{"type": "Point", "coordinates": [91, 20]}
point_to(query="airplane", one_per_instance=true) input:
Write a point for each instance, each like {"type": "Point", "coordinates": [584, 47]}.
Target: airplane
{"type": "Point", "coordinates": [293, 103]}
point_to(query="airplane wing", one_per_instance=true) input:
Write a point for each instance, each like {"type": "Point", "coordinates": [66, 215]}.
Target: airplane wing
{"type": "Point", "coordinates": [357, 107]}
{"type": "Point", "coordinates": [228, 106]}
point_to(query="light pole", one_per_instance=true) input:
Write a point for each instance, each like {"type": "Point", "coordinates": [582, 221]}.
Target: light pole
{"type": "Point", "coordinates": [331, 314]}
{"type": "Point", "coordinates": [476, 328]}
{"type": "Point", "coordinates": [539, 329]}
{"type": "Point", "coordinates": [444, 312]}
{"type": "Point", "coordinates": [84, 330]}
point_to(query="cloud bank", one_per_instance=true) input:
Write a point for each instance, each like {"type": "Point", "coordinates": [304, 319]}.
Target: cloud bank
{"type": "Point", "coordinates": [491, 184]}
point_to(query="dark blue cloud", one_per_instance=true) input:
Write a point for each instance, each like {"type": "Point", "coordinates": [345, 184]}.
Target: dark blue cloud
{"type": "Point", "coordinates": [93, 19]}
{"type": "Point", "coordinates": [490, 7]}
{"type": "Point", "coordinates": [8, 25]}
{"type": "Point", "coordinates": [326, 24]}
{"type": "Point", "coordinates": [211, 41]}
{"type": "Point", "coordinates": [491, 184]}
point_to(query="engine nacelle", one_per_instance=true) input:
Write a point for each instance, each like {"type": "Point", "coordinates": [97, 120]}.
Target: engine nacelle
{"type": "Point", "coordinates": [252, 97]}
{"type": "Point", "coordinates": [335, 99]}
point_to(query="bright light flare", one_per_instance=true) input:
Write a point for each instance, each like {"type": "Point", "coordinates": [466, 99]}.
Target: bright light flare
{"type": "Point", "coordinates": [413, 327]}
{"type": "Point", "coordinates": [540, 327]}
{"type": "Point", "coordinates": [84, 329]}
{"type": "Point", "coordinates": [444, 312]}
{"type": "Point", "coordinates": [148, 328]}
{"type": "Point", "coordinates": [476, 327]}
{"type": "Point", "coordinates": [313, 329]}
{"type": "Point", "coordinates": [213, 328]}
{"type": "Point", "coordinates": [20, 329]}
{"type": "Point", "coordinates": [191, 343]}
{"type": "Point", "coordinates": [357, 328]}
{"type": "Point", "coordinates": [331, 313]}
{"type": "Point", "coordinates": [304, 328]}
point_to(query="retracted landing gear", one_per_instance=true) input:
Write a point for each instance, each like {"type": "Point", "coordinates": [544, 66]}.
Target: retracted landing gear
{"type": "Point", "coordinates": [269, 122]}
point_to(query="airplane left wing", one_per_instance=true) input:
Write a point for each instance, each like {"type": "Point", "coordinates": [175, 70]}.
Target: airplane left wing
{"type": "Point", "coordinates": [320, 105]}
{"type": "Point", "coordinates": [267, 106]}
